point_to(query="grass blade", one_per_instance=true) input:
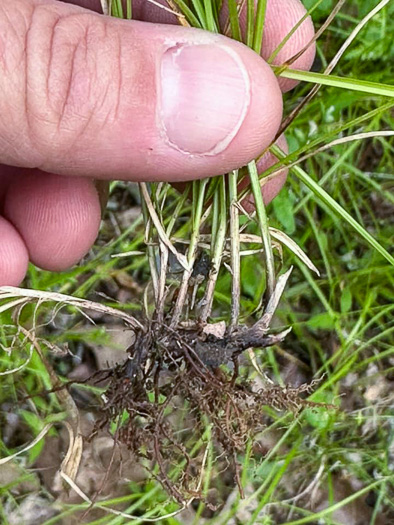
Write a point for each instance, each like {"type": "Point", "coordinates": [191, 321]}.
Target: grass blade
{"type": "Point", "coordinates": [355, 84]}
{"type": "Point", "coordinates": [234, 20]}
{"type": "Point", "coordinates": [259, 26]}
{"type": "Point", "coordinates": [335, 207]}
{"type": "Point", "coordinates": [263, 225]}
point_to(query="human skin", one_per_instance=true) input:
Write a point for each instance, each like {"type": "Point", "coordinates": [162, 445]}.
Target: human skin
{"type": "Point", "coordinates": [84, 96]}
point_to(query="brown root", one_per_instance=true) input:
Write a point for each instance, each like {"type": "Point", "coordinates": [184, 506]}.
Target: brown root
{"type": "Point", "coordinates": [182, 387]}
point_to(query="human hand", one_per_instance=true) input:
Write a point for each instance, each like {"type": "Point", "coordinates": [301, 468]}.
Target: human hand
{"type": "Point", "coordinates": [84, 96]}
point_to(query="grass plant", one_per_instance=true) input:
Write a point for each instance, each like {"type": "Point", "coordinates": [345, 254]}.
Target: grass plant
{"type": "Point", "coordinates": [320, 466]}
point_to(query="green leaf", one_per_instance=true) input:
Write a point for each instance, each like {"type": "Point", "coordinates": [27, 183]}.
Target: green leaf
{"type": "Point", "coordinates": [252, 276]}
{"type": "Point", "coordinates": [283, 206]}
{"type": "Point", "coordinates": [35, 451]}
{"type": "Point", "coordinates": [355, 84]}
{"type": "Point", "coordinates": [323, 321]}
{"type": "Point", "coordinates": [320, 417]}
{"type": "Point", "coordinates": [32, 420]}
{"type": "Point", "coordinates": [346, 300]}
{"type": "Point", "coordinates": [36, 425]}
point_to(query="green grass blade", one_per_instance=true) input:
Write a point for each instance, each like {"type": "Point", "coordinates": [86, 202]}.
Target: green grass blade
{"type": "Point", "coordinates": [259, 26]}
{"type": "Point", "coordinates": [292, 31]}
{"type": "Point", "coordinates": [234, 20]}
{"type": "Point", "coordinates": [129, 10]}
{"type": "Point", "coordinates": [263, 225]}
{"type": "Point", "coordinates": [185, 10]}
{"type": "Point", "coordinates": [334, 206]}
{"type": "Point", "coordinates": [198, 6]}
{"type": "Point", "coordinates": [117, 9]}
{"type": "Point", "coordinates": [249, 22]}
{"type": "Point", "coordinates": [332, 508]}
{"type": "Point", "coordinates": [209, 16]}
{"type": "Point", "coordinates": [355, 84]}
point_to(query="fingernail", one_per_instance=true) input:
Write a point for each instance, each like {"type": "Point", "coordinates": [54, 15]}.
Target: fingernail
{"type": "Point", "coordinates": [205, 94]}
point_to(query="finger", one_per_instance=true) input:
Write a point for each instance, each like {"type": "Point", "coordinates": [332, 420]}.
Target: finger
{"type": "Point", "coordinates": [6, 175]}
{"type": "Point", "coordinates": [281, 17]}
{"type": "Point", "coordinates": [57, 217]}
{"type": "Point", "coordinates": [85, 94]}
{"type": "Point", "coordinates": [272, 185]}
{"type": "Point", "coordinates": [158, 12]}
{"type": "Point", "coordinates": [14, 258]}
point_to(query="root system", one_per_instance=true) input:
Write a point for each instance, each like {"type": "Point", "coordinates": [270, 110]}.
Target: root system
{"type": "Point", "coordinates": [181, 391]}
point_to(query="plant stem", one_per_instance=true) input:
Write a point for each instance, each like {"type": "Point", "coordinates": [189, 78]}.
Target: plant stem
{"type": "Point", "coordinates": [263, 225]}
{"type": "Point", "coordinates": [151, 250]}
{"type": "Point", "coordinates": [217, 248]}
{"type": "Point", "coordinates": [234, 248]}
{"type": "Point", "coordinates": [198, 203]}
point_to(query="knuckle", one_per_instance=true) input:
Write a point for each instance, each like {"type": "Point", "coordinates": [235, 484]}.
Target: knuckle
{"type": "Point", "coordinates": [14, 23]}
{"type": "Point", "coordinates": [70, 87]}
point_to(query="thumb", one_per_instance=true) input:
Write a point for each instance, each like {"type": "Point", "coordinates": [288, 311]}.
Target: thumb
{"type": "Point", "coordinates": [84, 94]}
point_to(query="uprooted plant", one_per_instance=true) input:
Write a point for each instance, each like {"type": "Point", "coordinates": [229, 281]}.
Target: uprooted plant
{"type": "Point", "coordinates": [179, 358]}
{"type": "Point", "coordinates": [185, 386]}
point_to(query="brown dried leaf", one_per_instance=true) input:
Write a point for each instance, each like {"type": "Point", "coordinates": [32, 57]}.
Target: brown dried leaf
{"type": "Point", "coordinates": [72, 460]}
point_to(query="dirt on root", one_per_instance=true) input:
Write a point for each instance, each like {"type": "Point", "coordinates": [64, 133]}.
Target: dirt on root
{"type": "Point", "coordinates": [181, 391]}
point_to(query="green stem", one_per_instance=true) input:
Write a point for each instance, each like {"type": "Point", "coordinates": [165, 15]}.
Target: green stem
{"type": "Point", "coordinates": [263, 224]}
{"type": "Point", "coordinates": [259, 26]}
